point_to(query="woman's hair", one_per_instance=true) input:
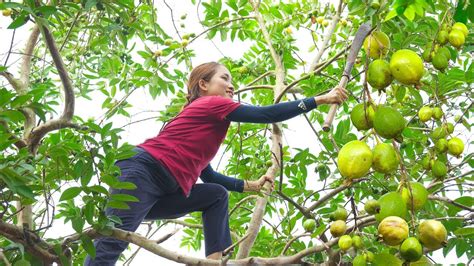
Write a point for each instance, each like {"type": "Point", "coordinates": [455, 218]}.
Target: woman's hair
{"type": "Point", "coordinates": [205, 72]}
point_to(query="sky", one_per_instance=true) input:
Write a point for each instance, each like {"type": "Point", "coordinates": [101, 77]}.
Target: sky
{"type": "Point", "coordinates": [295, 136]}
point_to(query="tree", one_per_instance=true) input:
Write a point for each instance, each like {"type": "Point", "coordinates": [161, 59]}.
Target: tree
{"type": "Point", "coordinates": [88, 48]}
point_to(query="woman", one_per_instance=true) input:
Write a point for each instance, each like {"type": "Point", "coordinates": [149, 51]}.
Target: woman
{"type": "Point", "coordinates": [166, 167]}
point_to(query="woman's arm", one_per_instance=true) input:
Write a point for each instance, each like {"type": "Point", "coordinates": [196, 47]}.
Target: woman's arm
{"type": "Point", "coordinates": [273, 113]}
{"type": "Point", "coordinates": [208, 175]}
{"type": "Point", "coordinates": [283, 111]}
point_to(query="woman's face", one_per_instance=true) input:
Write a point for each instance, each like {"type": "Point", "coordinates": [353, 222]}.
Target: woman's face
{"type": "Point", "coordinates": [219, 85]}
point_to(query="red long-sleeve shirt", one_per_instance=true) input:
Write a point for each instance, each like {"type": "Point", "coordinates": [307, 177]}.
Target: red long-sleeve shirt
{"type": "Point", "coordinates": [190, 141]}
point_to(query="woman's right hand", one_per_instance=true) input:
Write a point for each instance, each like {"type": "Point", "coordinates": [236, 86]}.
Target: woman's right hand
{"type": "Point", "coordinates": [336, 96]}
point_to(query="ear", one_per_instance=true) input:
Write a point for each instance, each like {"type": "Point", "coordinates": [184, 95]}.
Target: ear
{"type": "Point", "coordinates": [202, 85]}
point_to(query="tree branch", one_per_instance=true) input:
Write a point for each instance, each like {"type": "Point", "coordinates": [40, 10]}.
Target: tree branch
{"type": "Point", "coordinates": [40, 131]}
{"type": "Point", "coordinates": [14, 82]}
{"type": "Point", "coordinates": [34, 244]}
{"type": "Point", "coordinates": [4, 259]}
{"type": "Point", "coordinates": [450, 201]}
{"type": "Point", "coordinates": [266, 87]}
{"type": "Point", "coordinates": [248, 88]}
{"type": "Point", "coordinates": [433, 184]}
{"type": "Point", "coordinates": [25, 68]}
{"type": "Point", "coordinates": [334, 192]}
{"type": "Point", "coordinates": [287, 246]}
{"type": "Point", "coordinates": [261, 77]}
{"type": "Point", "coordinates": [242, 201]}
{"type": "Point", "coordinates": [302, 209]}
{"type": "Point", "coordinates": [329, 32]}
{"type": "Point", "coordinates": [318, 70]}
{"type": "Point", "coordinates": [207, 30]}
{"type": "Point", "coordinates": [166, 237]}
{"type": "Point", "coordinates": [196, 226]}
{"type": "Point", "coordinates": [151, 246]}
{"type": "Point", "coordinates": [25, 71]}
{"type": "Point", "coordinates": [69, 99]}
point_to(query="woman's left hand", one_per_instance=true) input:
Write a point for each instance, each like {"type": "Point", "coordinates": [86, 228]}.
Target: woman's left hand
{"type": "Point", "coordinates": [258, 185]}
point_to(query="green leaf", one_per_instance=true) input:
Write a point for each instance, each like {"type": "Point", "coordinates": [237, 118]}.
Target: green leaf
{"type": "Point", "coordinates": [124, 185]}
{"type": "Point", "coordinates": [385, 259]}
{"type": "Point", "coordinates": [461, 14]}
{"type": "Point", "coordinates": [393, 13]}
{"type": "Point", "coordinates": [97, 189]}
{"type": "Point", "coordinates": [5, 96]}
{"type": "Point", "coordinates": [20, 100]}
{"type": "Point", "coordinates": [464, 231]}
{"type": "Point", "coordinates": [118, 205]}
{"type": "Point", "coordinates": [124, 197]}
{"type": "Point", "coordinates": [15, 5]}
{"type": "Point", "coordinates": [470, 11]}
{"type": "Point", "coordinates": [466, 200]}
{"type": "Point", "coordinates": [90, 4]}
{"type": "Point", "coordinates": [400, 94]}
{"type": "Point", "coordinates": [88, 246]}
{"type": "Point", "coordinates": [12, 115]}
{"type": "Point", "coordinates": [125, 154]}
{"type": "Point", "coordinates": [88, 211]}
{"type": "Point", "coordinates": [143, 74]}
{"type": "Point", "coordinates": [70, 193]}
{"type": "Point", "coordinates": [470, 73]}
{"type": "Point", "coordinates": [19, 21]}
{"type": "Point", "coordinates": [24, 190]}
{"type": "Point", "coordinates": [47, 10]}
{"type": "Point", "coordinates": [409, 13]}
{"type": "Point", "coordinates": [78, 224]}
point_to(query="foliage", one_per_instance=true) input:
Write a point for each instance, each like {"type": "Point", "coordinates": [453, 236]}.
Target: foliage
{"type": "Point", "coordinates": [113, 49]}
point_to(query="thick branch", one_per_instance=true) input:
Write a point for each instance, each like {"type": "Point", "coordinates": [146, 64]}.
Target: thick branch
{"type": "Point", "coordinates": [25, 68]}
{"type": "Point", "coordinates": [151, 246]}
{"type": "Point", "coordinates": [68, 111]}
{"type": "Point", "coordinates": [25, 71]}
{"type": "Point", "coordinates": [40, 131]}
{"type": "Point", "coordinates": [14, 82]}
{"type": "Point", "coordinates": [30, 241]}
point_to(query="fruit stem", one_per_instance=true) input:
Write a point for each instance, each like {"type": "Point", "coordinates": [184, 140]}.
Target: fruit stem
{"type": "Point", "coordinates": [366, 136]}
{"type": "Point", "coordinates": [405, 182]}
{"type": "Point", "coordinates": [377, 139]}
{"type": "Point", "coordinates": [437, 31]}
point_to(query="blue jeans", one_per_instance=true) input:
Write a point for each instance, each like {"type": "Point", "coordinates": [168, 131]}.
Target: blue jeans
{"type": "Point", "coordinates": [160, 197]}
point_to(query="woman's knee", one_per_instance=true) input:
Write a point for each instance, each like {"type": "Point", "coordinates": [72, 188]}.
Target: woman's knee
{"type": "Point", "coordinates": [219, 191]}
